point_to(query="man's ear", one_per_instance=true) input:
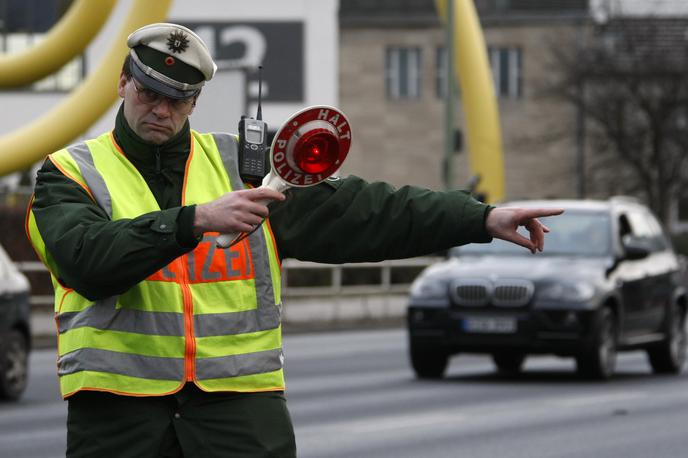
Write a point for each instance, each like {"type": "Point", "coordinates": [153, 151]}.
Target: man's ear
{"type": "Point", "coordinates": [121, 86]}
{"type": "Point", "coordinates": [193, 106]}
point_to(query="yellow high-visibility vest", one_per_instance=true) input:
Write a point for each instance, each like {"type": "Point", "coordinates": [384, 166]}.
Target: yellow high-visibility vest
{"type": "Point", "coordinates": [211, 316]}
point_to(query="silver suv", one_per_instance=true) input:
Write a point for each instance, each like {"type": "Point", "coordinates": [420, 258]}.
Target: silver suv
{"type": "Point", "coordinates": [608, 280]}
{"type": "Point", "coordinates": [15, 342]}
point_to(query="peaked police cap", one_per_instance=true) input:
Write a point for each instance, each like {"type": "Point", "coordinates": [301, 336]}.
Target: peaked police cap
{"type": "Point", "coordinates": [170, 59]}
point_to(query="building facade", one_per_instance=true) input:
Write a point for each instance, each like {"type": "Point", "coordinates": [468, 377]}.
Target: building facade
{"type": "Point", "coordinates": [392, 84]}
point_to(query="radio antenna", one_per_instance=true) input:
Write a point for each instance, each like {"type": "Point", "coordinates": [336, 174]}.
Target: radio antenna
{"type": "Point", "coordinates": [259, 115]}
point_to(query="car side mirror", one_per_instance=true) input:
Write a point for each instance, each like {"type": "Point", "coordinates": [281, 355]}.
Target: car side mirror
{"type": "Point", "coordinates": [634, 250]}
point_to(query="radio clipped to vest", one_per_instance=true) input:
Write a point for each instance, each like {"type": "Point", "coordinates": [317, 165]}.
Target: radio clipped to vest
{"type": "Point", "coordinates": [254, 153]}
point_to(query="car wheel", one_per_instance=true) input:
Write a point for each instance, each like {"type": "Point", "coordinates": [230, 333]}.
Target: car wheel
{"type": "Point", "coordinates": [508, 363]}
{"type": "Point", "coordinates": [428, 362]}
{"type": "Point", "coordinates": [669, 356]}
{"type": "Point", "coordinates": [14, 364]}
{"type": "Point", "coordinates": [598, 360]}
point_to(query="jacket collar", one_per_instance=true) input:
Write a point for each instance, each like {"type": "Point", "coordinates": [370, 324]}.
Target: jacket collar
{"type": "Point", "coordinates": [148, 157]}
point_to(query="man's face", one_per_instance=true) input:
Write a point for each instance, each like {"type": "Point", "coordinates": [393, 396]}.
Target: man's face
{"type": "Point", "coordinates": [154, 118]}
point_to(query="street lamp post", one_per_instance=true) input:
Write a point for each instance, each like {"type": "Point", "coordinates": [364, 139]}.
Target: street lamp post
{"type": "Point", "coordinates": [448, 169]}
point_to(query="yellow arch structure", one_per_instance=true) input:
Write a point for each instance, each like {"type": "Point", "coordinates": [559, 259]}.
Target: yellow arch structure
{"type": "Point", "coordinates": [483, 131]}
{"type": "Point", "coordinates": [68, 38]}
{"type": "Point", "coordinates": [23, 147]}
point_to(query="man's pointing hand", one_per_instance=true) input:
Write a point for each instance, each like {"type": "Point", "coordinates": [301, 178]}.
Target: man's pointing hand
{"type": "Point", "coordinates": [502, 223]}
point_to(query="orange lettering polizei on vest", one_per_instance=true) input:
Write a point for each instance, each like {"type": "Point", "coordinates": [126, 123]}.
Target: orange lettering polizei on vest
{"type": "Point", "coordinates": [208, 263]}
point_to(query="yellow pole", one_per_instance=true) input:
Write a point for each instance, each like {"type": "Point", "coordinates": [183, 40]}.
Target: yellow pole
{"type": "Point", "coordinates": [86, 104]}
{"type": "Point", "coordinates": [479, 103]}
{"type": "Point", "coordinates": [65, 40]}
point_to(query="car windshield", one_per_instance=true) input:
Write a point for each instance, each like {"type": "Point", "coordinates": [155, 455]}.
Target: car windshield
{"type": "Point", "coordinates": [575, 233]}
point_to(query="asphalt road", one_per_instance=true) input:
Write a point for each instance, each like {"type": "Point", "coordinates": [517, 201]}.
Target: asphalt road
{"type": "Point", "coordinates": [352, 394]}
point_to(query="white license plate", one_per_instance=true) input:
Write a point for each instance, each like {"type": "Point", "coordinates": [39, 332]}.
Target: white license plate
{"type": "Point", "coordinates": [490, 325]}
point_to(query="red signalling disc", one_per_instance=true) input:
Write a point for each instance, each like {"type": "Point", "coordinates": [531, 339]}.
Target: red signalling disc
{"type": "Point", "coordinates": [311, 145]}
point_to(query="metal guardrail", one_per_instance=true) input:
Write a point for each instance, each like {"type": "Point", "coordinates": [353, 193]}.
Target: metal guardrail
{"type": "Point", "coordinates": [385, 286]}
{"type": "Point", "coordinates": [290, 266]}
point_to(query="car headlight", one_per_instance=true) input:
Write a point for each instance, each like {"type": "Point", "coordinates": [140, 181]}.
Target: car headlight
{"type": "Point", "coordinates": [428, 289]}
{"type": "Point", "coordinates": [574, 292]}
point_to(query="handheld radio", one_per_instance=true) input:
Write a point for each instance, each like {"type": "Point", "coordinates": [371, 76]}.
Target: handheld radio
{"type": "Point", "coordinates": [254, 158]}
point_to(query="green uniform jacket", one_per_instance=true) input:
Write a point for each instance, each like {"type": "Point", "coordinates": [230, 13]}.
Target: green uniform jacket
{"type": "Point", "coordinates": [340, 220]}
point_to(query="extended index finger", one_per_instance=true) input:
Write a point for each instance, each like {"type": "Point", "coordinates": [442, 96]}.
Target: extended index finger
{"type": "Point", "coordinates": [262, 193]}
{"type": "Point", "coordinates": [530, 213]}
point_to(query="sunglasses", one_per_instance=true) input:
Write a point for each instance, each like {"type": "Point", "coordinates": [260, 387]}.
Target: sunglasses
{"type": "Point", "coordinates": [150, 97]}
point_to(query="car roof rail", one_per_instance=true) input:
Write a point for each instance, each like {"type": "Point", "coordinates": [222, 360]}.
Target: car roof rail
{"type": "Point", "coordinates": [625, 199]}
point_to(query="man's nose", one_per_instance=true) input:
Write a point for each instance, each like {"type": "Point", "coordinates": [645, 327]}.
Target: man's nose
{"type": "Point", "coordinates": [163, 108]}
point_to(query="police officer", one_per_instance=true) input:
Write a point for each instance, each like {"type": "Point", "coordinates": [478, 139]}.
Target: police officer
{"type": "Point", "coordinates": [167, 346]}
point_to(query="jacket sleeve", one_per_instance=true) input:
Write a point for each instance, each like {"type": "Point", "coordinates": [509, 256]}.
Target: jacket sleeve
{"type": "Point", "coordinates": [98, 257]}
{"type": "Point", "coordinates": [350, 220]}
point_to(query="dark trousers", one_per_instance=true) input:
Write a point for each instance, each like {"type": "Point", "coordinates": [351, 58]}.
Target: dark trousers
{"type": "Point", "coordinates": [190, 423]}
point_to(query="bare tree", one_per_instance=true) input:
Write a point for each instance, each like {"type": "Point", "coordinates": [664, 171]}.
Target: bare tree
{"type": "Point", "coordinates": [629, 78]}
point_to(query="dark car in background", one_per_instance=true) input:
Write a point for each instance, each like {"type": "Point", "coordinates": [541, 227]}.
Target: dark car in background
{"type": "Point", "coordinates": [608, 280]}
{"type": "Point", "coordinates": [15, 341]}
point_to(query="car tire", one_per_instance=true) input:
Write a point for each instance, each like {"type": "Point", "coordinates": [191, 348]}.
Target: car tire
{"type": "Point", "coordinates": [428, 362]}
{"type": "Point", "coordinates": [598, 360]}
{"type": "Point", "coordinates": [14, 364]}
{"type": "Point", "coordinates": [508, 363]}
{"type": "Point", "coordinates": [669, 357]}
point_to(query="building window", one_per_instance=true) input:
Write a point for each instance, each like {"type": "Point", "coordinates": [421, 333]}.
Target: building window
{"type": "Point", "coordinates": [441, 80]}
{"type": "Point", "coordinates": [23, 23]}
{"type": "Point", "coordinates": [65, 79]}
{"type": "Point", "coordinates": [402, 71]}
{"type": "Point", "coordinates": [507, 70]}
{"type": "Point", "coordinates": [534, 6]}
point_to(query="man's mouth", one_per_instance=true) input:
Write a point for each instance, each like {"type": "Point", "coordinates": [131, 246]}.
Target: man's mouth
{"type": "Point", "coordinates": [158, 127]}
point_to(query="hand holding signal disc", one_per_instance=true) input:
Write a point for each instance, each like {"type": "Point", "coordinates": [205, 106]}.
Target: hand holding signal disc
{"type": "Point", "coordinates": [308, 148]}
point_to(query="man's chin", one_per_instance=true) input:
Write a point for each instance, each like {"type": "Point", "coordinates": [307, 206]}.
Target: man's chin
{"type": "Point", "coordinates": [155, 137]}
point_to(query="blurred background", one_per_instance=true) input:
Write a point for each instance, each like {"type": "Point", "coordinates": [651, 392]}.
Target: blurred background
{"type": "Point", "coordinates": [592, 101]}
